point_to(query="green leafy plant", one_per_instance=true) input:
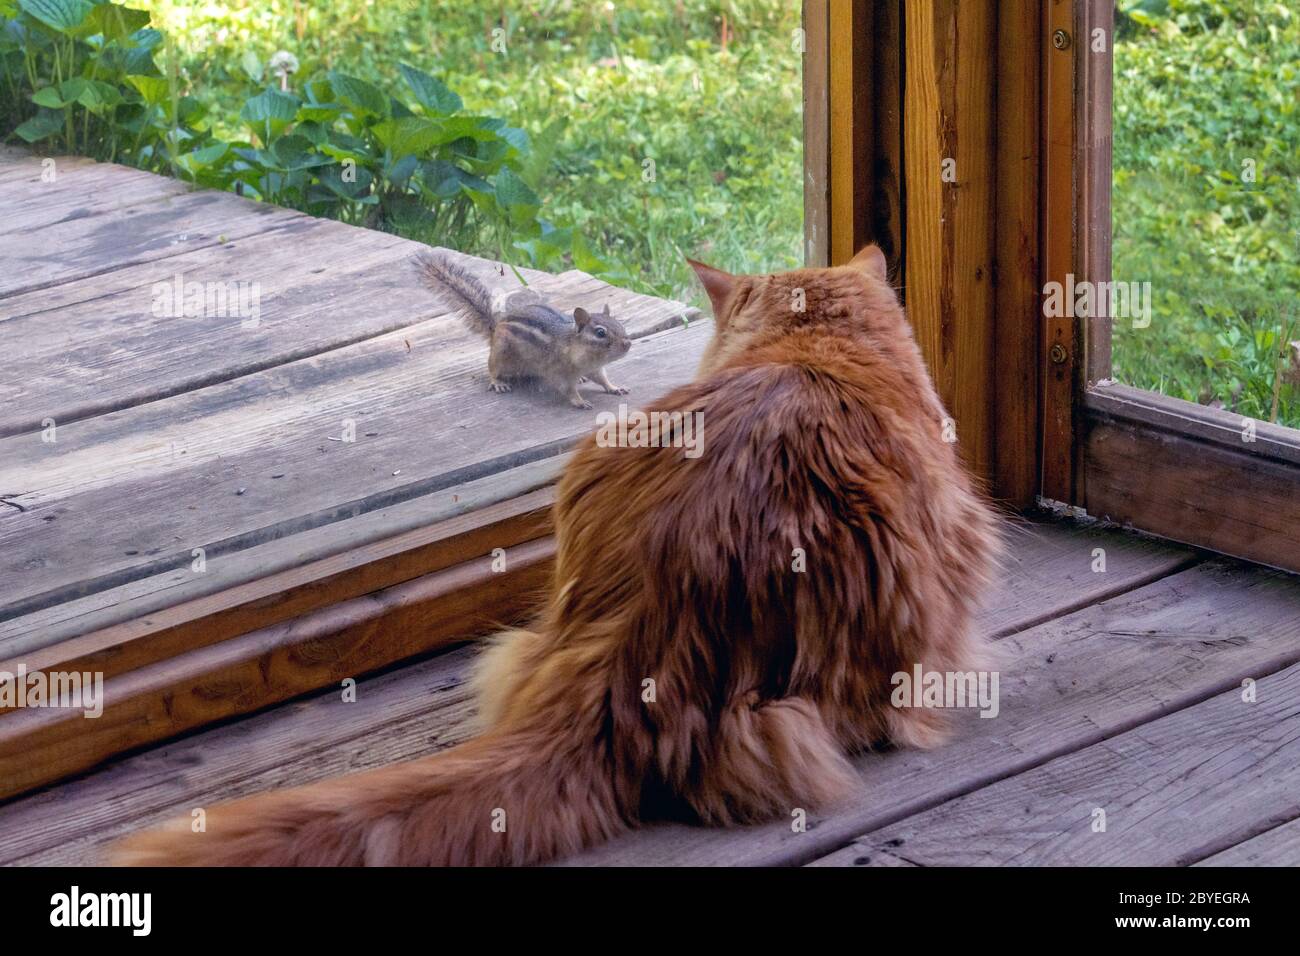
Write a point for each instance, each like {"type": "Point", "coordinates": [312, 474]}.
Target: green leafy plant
{"type": "Point", "coordinates": [1206, 204]}
{"type": "Point", "coordinates": [80, 76]}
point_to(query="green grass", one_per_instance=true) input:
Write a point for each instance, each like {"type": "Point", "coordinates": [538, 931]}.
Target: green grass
{"type": "Point", "coordinates": [1204, 91]}
{"type": "Point", "coordinates": [601, 88]}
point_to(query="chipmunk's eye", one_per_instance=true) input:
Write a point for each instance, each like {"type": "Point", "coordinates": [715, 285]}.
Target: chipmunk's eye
{"type": "Point", "coordinates": [600, 332]}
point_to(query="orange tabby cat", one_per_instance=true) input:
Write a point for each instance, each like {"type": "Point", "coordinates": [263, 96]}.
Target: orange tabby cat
{"type": "Point", "coordinates": [823, 448]}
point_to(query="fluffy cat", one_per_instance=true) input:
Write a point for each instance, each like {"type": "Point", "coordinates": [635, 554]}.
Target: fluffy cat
{"type": "Point", "coordinates": [823, 439]}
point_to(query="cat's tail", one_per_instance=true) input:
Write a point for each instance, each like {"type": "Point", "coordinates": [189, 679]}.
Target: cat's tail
{"type": "Point", "coordinates": [506, 798]}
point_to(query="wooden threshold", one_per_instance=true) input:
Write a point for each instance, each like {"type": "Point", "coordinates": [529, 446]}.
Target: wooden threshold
{"type": "Point", "coordinates": [1193, 474]}
{"type": "Point", "coordinates": [296, 591]}
{"type": "Point", "coordinates": [273, 664]}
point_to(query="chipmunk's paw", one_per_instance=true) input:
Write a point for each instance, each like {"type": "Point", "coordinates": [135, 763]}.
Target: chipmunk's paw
{"type": "Point", "coordinates": [616, 390]}
{"type": "Point", "coordinates": [579, 403]}
{"type": "Point", "coordinates": [499, 387]}
{"type": "Point", "coordinates": [582, 379]}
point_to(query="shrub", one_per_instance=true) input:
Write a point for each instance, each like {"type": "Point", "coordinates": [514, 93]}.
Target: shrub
{"type": "Point", "coordinates": [80, 76]}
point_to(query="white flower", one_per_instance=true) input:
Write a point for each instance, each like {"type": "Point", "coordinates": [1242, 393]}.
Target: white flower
{"type": "Point", "coordinates": [283, 63]}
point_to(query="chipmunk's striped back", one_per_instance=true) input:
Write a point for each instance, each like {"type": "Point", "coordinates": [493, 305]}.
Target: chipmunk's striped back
{"type": "Point", "coordinates": [529, 339]}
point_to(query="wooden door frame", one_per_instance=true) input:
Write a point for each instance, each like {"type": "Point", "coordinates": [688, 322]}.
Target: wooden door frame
{"type": "Point", "coordinates": [1018, 94]}
{"type": "Point", "coordinates": [922, 135]}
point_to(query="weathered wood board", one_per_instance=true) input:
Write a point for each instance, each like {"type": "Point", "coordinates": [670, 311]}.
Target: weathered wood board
{"type": "Point", "coordinates": [314, 739]}
{"type": "Point", "coordinates": [133, 433]}
{"type": "Point", "coordinates": [1064, 685]}
{"type": "Point", "coordinates": [1170, 792]}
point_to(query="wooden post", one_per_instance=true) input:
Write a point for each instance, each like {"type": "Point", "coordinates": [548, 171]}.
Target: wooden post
{"type": "Point", "coordinates": [816, 133]}
{"type": "Point", "coordinates": [864, 90]}
{"type": "Point", "coordinates": [1017, 279]}
{"type": "Point", "coordinates": [948, 149]}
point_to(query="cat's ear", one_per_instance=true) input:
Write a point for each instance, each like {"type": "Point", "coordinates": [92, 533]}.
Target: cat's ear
{"type": "Point", "coordinates": [717, 284]}
{"type": "Point", "coordinates": [871, 261]}
{"type": "Point", "coordinates": [581, 316]}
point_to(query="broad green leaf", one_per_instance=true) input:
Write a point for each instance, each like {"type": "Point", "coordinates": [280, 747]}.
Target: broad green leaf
{"type": "Point", "coordinates": [584, 259]}
{"type": "Point", "coordinates": [430, 92]}
{"type": "Point", "coordinates": [147, 39]}
{"type": "Point", "coordinates": [153, 89]}
{"type": "Point", "coordinates": [48, 96]}
{"type": "Point", "coordinates": [319, 112]}
{"type": "Point", "coordinates": [445, 180]}
{"type": "Point", "coordinates": [113, 21]}
{"type": "Point", "coordinates": [402, 170]}
{"type": "Point", "coordinates": [94, 95]}
{"type": "Point", "coordinates": [413, 135]}
{"type": "Point", "coordinates": [467, 127]}
{"type": "Point", "coordinates": [200, 160]}
{"type": "Point", "coordinates": [358, 95]}
{"type": "Point", "coordinates": [252, 65]}
{"type": "Point", "coordinates": [60, 15]}
{"type": "Point", "coordinates": [331, 178]}
{"type": "Point", "coordinates": [270, 112]}
{"type": "Point", "coordinates": [297, 152]}
{"type": "Point", "coordinates": [43, 124]}
{"type": "Point", "coordinates": [514, 192]}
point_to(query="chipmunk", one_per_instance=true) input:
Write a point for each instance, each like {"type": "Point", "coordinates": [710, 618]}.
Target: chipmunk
{"type": "Point", "coordinates": [528, 338]}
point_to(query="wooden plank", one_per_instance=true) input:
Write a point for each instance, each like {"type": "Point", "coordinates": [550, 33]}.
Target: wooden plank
{"type": "Point", "coordinates": [239, 676]}
{"type": "Point", "coordinates": [1204, 493]}
{"type": "Point", "coordinates": [1059, 357]}
{"type": "Point", "coordinates": [1094, 116]}
{"type": "Point", "coordinates": [239, 464]}
{"type": "Point", "coordinates": [257, 594]}
{"type": "Point", "coordinates": [108, 348]}
{"type": "Point", "coordinates": [887, 218]}
{"type": "Point", "coordinates": [418, 709]}
{"type": "Point", "coordinates": [77, 246]}
{"type": "Point", "coordinates": [37, 192]}
{"type": "Point", "coordinates": [850, 119]}
{"type": "Point", "coordinates": [866, 130]}
{"type": "Point", "coordinates": [1278, 846]}
{"type": "Point", "coordinates": [181, 599]}
{"type": "Point", "coordinates": [97, 346]}
{"type": "Point", "coordinates": [1053, 569]}
{"type": "Point", "coordinates": [1156, 412]}
{"type": "Point", "coordinates": [816, 133]}
{"type": "Point", "coordinates": [1173, 792]}
{"type": "Point", "coordinates": [290, 745]}
{"type": "Point", "coordinates": [1065, 685]}
{"type": "Point", "coordinates": [296, 591]}
{"type": "Point", "coordinates": [949, 164]}
{"type": "Point", "coordinates": [1017, 300]}
{"type": "Point", "coordinates": [20, 164]}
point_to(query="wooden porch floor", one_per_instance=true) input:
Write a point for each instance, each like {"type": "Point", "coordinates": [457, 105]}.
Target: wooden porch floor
{"type": "Point", "coordinates": [1121, 689]}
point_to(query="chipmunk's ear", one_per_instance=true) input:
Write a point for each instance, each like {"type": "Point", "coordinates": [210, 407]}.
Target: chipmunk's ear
{"type": "Point", "coordinates": [581, 316]}
{"type": "Point", "coordinates": [717, 284]}
{"type": "Point", "coordinates": [606, 313]}
{"type": "Point", "coordinates": [871, 261]}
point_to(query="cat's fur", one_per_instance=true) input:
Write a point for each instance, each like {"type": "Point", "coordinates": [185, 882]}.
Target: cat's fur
{"type": "Point", "coordinates": [823, 433]}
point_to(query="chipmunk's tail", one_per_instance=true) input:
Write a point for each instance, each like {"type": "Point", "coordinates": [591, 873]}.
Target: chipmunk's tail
{"type": "Point", "coordinates": [511, 798]}
{"type": "Point", "coordinates": [443, 269]}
